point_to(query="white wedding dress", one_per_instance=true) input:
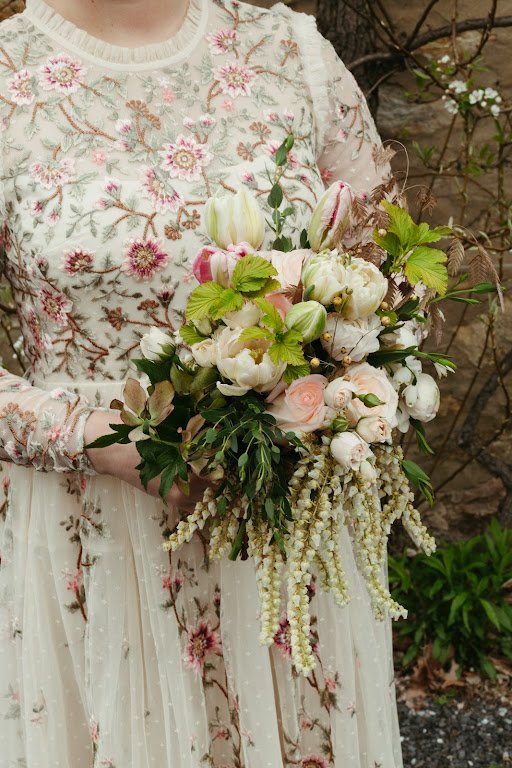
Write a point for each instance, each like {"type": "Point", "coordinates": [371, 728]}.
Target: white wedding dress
{"type": "Point", "coordinates": [112, 653]}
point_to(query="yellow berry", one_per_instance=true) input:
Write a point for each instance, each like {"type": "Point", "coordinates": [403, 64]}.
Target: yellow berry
{"type": "Point", "coordinates": [384, 306]}
{"type": "Point", "coordinates": [337, 301]}
{"type": "Point", "coordinates": [382, 232]}
{"type": "Point", "coordinates": [326, 336]}
{"type": "Point", "coordinates": [347, 360]}
{"type": "Point", "coordinates": [315, 362]}
{"type": "Point", "coordinates": [385, 321]}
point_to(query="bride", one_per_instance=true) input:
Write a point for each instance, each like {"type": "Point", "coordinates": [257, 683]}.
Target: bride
{"type": "Point", "coordinates": [119, 119]}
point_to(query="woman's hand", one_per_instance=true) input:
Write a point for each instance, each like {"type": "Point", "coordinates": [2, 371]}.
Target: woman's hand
{"type": "Point", "coordinates": [120, 461]}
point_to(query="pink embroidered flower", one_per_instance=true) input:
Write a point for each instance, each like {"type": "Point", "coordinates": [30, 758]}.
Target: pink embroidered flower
{"type": "Point", "coordinates": [235, 79]}
{"type": "Point", "coordinates": [313, 761]}
{"type": "Point", "coordinates": [206, 121]}
{"type": "Point", "coordinates": [94, 731]}
{"type": "Point", "coordinates": [330, 684]}
{"type": "Point", "coordinates": [272, 147]}
{"type": "Point", "coordinates": [188, 123]}
{"type": "Point", "coordinates": [326, 175]}
{"type": "Point", "coordinates": [83, 483]}
{"type": "Point", "coordinates": [289, 116]}
{"type": "Point", "coordinates": [222, 733]}
{"type": "Point", "coordinates": [164, 197]}
{"type": "Point", "coordinates": [282, 637]}
{"type": "Point", "coordinates": [122, 145]}
{"type": "Point", "coordinates": [124, 126]}
{"type": "Point", "coordinates": [342, 135]}
{"type": "Point", "coordinates": [77, 261]}
{"type": "Point", "coordinates": [168, 95]}
{"type": "Point", "coordinates": [53, 173]}
{"type": "Point", "coordinates": [201, 641]}
{"type": "Point", "coordinates": [62, 73]}
{"type": "Point", "coordinates": [15, 696]}
{"type": "Point", "coordinates": [144, 258]}
{"type": "Point", "coordinates": [13, 451]}
{"type": "Point", "coordinates": [5, 483]}
{"type": "Point", "coordinates": [222, 41]}
{"type": "Point", "coordinates": [227, 105]}
{"type": "Point", "coordinates": [98, 157]}
{"type": "Point", "coordinates": [306, 725]}
{"type": "Point", "coordinates": [55, 305]}
{"type": "Point", "coordinates": [53, 216]}
{"type": "Point", "coordinates": [41, 339]}
{"type": "Point", "coordinates": [54, 433]}
{"type": "Point", "coordinates": [272, 117]}
{"type": "Point", "coordinates": [112, 187]}
{"type": "Point", "coordinates": [36, 208]}
{"type": "Point", "coordinates": [20, 87]}
{"type": "Point", "coordinates": [247, 177]}
{"type": "Point", "coordinates": [185, 158]}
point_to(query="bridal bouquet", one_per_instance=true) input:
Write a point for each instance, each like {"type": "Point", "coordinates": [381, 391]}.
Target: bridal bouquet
{"type": "Point", "coordinates": [287, 386]}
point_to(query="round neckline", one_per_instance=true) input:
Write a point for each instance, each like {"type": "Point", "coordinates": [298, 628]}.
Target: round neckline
{"type": "Point", "coordinates": [76, 39]}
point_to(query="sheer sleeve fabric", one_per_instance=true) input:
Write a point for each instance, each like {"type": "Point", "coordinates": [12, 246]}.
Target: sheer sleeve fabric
{"type": "Point", "coordinates": [41, 429]}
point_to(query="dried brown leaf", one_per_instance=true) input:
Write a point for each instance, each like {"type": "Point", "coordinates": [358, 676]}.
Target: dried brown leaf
{"type": "Point", "coordinates": [456, 255]}
{"type": "Point", "coordinates": [378, 194]}
{"type": "Point", "coordinates": [359, 209]}
{"type": "Point", "coordinates": [382, 155]}
{"type": "Point", "coordinates": [426, 200]}
{"type": "Point", "coordinates": [436, 322]}
{"type": "Point", "coordinates": [380, 218]}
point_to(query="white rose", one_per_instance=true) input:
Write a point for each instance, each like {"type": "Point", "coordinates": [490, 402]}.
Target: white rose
{"type": "Point", "coordinates": [249, 315]}
{"type": "Point", "coordinates": [338, 393]}
{"type": "Point", "coordinates": [246, 364]}
{"type": "Point", "coordinates": [422, 399]}
{"type": "Point", "coordinates": [205, 353]}
{"type": "Point", "coordinates": [324, 277]}
{"type": "Point", "coordinates": [366, 289]}
{"type": "Point", "coordinates": [349, 450]}
{"type": "Point", "coordinates": [370, 380]}
{"type": "Point", "coordinates": [408, 335]}
{"type": "Point", "coordinates": [374, 429]}
{"type": "Point", "coordinates": [356, 338]}
{"type": "Point", "coordinates": [156, 344]}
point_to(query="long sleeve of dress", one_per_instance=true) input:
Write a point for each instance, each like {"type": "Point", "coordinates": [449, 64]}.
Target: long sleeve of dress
{"type": "Point", "coordinates": [38, 428]}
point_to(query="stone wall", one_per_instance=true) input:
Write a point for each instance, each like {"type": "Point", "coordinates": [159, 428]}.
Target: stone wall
{"type": "Point", "coordinates": [466, 502]}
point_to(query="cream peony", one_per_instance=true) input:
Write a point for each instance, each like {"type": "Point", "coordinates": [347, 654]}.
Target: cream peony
{"type": "Point", "coordinates": [301, 406]}
{"type": "Point", "coordinates": [356, 338]}
{"type": "Point", "coordinates": [421, 400]}
{"type": "Point", "coordinates": [324, 276]}
{"type": "Point", "coordinates": [406, 373]}
{"type": "Point", "coordinates": [156, 344]}
{"type": "Point", "coordinates": [366, 289]}
{"type": "Point", "coordinates": [370, 380]}
{"type": "Point", "coordinates": [349, 450]}
{"type": "Point", "coordinates": [249, 315]}
{"type": "Point", "coordinates": [374, 429]}
{"type": "Point", "coordinates": [245, 363]}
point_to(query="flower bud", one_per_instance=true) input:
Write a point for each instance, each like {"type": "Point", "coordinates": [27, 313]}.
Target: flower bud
{"type": "Point", "coordinates": [156, 345]}
{"type": "Point", "coordinates": [308, 318]}
{"type": "Point", "coordinates": [233, 219]}
{"type": "Point", "coordinates": [324, 277]}
{"type": "Point", "coordinates": [331, 217]}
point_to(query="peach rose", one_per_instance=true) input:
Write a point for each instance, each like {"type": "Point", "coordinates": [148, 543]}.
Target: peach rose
{"type": "Point", "coordinates": [301, 407]}
{"type": "Point", "coordinates": [288, 265]}
{"type": "Point", "coordinates": [370, 380]}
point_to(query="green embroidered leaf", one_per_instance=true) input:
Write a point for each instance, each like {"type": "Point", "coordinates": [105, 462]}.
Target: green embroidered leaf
{"type": "Point", "coordinates": [255, 333]}
{"type": "Point", "coordinates": [251, 273]}
{"type": "Point", "coordinates": [190, 334]}
{"type": "Point", "coordinates": [202, 299]}
{"type": "Point", "coordinates": [296, 372]}
{"type": "Point", "coordinates": [287, 349]}
{"type": "Point", "coordinates": [271, 316]}
{"type": "Point", "coordinates": [426, 265]}
{"type": "Point", "coordinates": [228, 301]}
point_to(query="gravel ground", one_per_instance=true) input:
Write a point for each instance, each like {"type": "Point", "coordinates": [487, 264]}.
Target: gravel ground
{"type": "Point", "coordinates": [474, 733]}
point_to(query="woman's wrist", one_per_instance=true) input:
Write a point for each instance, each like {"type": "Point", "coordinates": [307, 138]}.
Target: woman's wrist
{"type": "Point", "coordinates": [103, 460]}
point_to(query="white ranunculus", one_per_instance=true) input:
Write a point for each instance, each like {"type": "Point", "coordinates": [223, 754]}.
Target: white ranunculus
{"type": "Point", "coordinates": [308, 318]}
{"type": "Point", "coordinates": [205, 353]}
{"type": "Point", "coordinates": [374, 429]}
{"type": "Point", "coordinates": [406, 373]}
{"type": "Point", "coordinates": [422, 399]}
{"type": "Point", "coordinates": [246, 363]}
{"type": "Point", "coordinates": [250, 314]}
{"type": "Point", "coordinates": [366, 289]}
{"type": "Point", "coordinates": [156, 344]}
{"type": "Point", "coordinates": [231, 219]}
{"type": "Point", "coordinates": [356, 338]}
{"type": "Point", "coordinates": [349, 450]}
{"type": "Point", "coordinates": [339, 393]}
{"type": "Point", "coordinates": [324, 277]}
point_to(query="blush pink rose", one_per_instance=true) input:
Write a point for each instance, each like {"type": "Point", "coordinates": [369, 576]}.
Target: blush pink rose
{"type": "Point", "coordinates": [288, 265]}
{"type": "Point", "coordinates": [370, 380]}
{"type": "Point", "coordinates": [280, 302]}
{"type": "Point", "coordinates": [301, 407]}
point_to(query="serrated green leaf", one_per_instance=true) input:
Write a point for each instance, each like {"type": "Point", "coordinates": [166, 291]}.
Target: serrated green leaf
{"type": "Point", "coordinates": [270, 286]}
{"type": "Point", "coordinates": [287, 349]}
{"type": "Point", "coordinates": [251, 273]}
{"type": "Point", "coordinates": [228, 301]}
{"type": "Point", "coordinates": [191, 335]}
{"type": "Point", "coordinates": [293, 372]}
{"type": "Point", "coordinates": [389, 242]}
{"type": "Point", "coordinates": [426, 265]}
{"type": "Point", "coordinates": [271, 316]}
{"type": "Point", "coordinates": [254, 332]}
{"type": "Point", "coordinates": [202, 299]}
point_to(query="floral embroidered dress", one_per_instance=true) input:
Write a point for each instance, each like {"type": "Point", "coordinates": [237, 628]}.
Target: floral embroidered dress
{"type": "Point", "coordinates": [112, 653]}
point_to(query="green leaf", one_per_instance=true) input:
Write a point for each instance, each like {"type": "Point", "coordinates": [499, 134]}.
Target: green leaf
{"type": "Point", "coordinates": [426, 265]}
{"type": "Point", "coordinates": [251, 273]}
{"type": "Point", "coordinates": [202, 299]}
{"type": "Point", "coordinates": [271, 316]}
{"type": "Point", "coordinates": [421, 437]}
{"type": "Point", "coordinates": [400, 224]}
{"type": "Point", "coordinates": [281, 155]}
{"type": "Point", "coordinates": [293, 372]}
{"type": "Point", "coordinates": [490, 612]}
{"type": "Point", "coordinates": [191, 335]}
{"type": "Point", "coordinates": [275, 197]}
{"type": "Point", "coordinates": [180, 380]}
{"type": "Point", "coordinates": [156, 370]}
{"type": "Point", "coordinates": [488, 667]}
{"type": "Point", "coordinates": [254, 332]}
{"type": "Point", "coordinates": [204, 378]}
{"type": "Point", "coordinates": [120, 435]}
{"type": "Point", "coordinates": [287, 349]}
{"type": "Point", "coordinates": [228, 301]}
{"type": "Point", "coordinates": [269, 287]}
{"type": "Point", "coordinates": [389, 242]}
{"type": "Point", "coordinates": [167, 479]}
{"type": "Point", "coordinates": [419, 479]}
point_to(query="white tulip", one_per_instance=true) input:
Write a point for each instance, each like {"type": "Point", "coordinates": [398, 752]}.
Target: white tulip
{"type": "Point", "coordinates": [366, 289]}
{"type": "Point", "coordinates": [404, 374]}
{"type": "Point", "coordinates": [324, 277]}
{"type": "Point", "coordinates": [421, 400]}
{"type": "Point", "coordinates": [246, 364]}
{"type": "Point", "coordinates": [408, 335]}
{"type": "Point", "coordinates": [231, 219]}
{"type": "Point", "coordinates": [356, 338]}
{"type": "Point", "coordinates": [156, 344]}
{"type": "Point", "coordinates": [331, 217]}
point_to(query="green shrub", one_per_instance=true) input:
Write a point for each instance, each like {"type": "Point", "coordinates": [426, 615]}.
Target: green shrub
{"type": "Point", "coordinates": [457, 599]}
